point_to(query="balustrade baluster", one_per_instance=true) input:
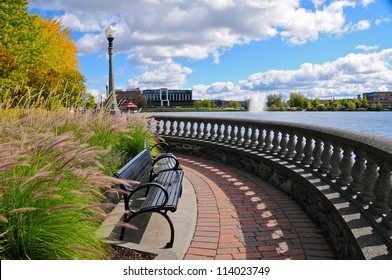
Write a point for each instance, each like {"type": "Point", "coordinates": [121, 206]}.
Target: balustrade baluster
{"type": "Point", "coordinates": [253, 138]}
{"type": "Point", "coordinates": [368, 181]}
{"type": "Point", "coordinates": [260, 140]}
{"type": "Point", "coordinates": [189, 129]}
{"type": "Point", "coordinates": [193, 129]}
{"type": "Point", "coordinates": [299, 148]}
{"type": "Point", "coordinates": [205, 133]}
{"type": "Point", "coordinates": [239, 136]}
{"type": "Point", "coordinates": [275, 142]}
{"type": "Point", "coordinates": [291, 145]}
{"type": "Point", "coordinates": [336, 157]}
{"type": "Point", "coordinates": [226, 133]}
{"type": "Point", "coordinates": [382, 190]}
{"type": "Point", "coordinates": [283, 144]}
{"type": "Point", "coordinates": [167, 127]}
{"type": "Point", "coordinates": [345, 167]}
{"type": "Point", "coordinates": [325, 158]}
{"type": "Point", "coordinates": [180, 129]}
{"type": "Point", "coordinates": [213, 132]}
{"type": "Point", "coordinates": [387, 220]}
{"type": "Point", "coordinates": [233, 134]}
{"type": "Point", "coordinates": [318, 149]}
{"type": "Point", "coordinates": [308, 149]}
{"type": "Point", "coordinates": [173, 128]}
{"type": "Point", "coordinates": [196, 129]}
{"type": "Point", "coordinates": [267, 141]}
{"type": "Point", "coordinates": [246, 140]}
{"type": "Point", "coordinates": [359, 167]}
{"type": "Point", "coordinates": [199, 129]}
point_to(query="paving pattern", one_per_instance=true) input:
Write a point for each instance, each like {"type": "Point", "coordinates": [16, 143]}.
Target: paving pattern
{"type": "Point", "coordinates": [241, 216]}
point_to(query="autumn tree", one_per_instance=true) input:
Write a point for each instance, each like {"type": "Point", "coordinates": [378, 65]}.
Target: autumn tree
{"type": "Point", "coordinates": [37, 54]}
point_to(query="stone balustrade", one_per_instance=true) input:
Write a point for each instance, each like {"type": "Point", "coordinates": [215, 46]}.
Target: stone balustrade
{"type": "Point", "coordinates": [342, 178]}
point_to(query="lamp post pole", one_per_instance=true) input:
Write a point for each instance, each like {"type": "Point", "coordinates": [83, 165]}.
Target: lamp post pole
{"type": "Point", "coordinates": [110, 32]}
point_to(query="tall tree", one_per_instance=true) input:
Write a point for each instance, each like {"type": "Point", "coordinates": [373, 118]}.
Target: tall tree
{"type": "Point", "coordinates": [37, 54]}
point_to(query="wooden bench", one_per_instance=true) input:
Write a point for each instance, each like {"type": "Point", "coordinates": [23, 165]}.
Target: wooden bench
{"type": "Point", "coordinates": [156, 182]}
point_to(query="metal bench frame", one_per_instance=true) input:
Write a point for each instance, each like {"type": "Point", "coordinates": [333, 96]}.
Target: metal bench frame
{"type": "Point", "coordinates": [160, 177]}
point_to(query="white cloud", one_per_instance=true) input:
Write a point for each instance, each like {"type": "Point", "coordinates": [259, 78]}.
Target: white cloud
{"type": "Point", "coordinates": [301, 25]}
{"type": "Point", "coordinates": [155, 31]}
{"type": "Point", "coordinates": [366, 47]}
{"type": "Point", "coordinates": [354, 73]}
{"type": "Point", "coordinates": [219, 90]}
{"type": "Point", "coordinates": [169, 75]}
{"type": "Point", "coordinates": [381, 20]}
{"type": "Point", "coordinates": [361, 25]}
{"type": "Point", "coordinates": [80, 23]}
{"type": "Point", "coordinates": [367, 2]}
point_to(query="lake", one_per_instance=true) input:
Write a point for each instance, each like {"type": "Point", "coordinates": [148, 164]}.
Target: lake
{"type": "Point", "coordinates": [373, 123]}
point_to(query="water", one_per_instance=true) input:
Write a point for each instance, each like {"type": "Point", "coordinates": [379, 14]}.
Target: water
{"type": "Point", "coordinates": [373, 123]}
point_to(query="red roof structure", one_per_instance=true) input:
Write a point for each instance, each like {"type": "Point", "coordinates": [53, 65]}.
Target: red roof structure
{"type": "Point", "coordinates": [130, 105]}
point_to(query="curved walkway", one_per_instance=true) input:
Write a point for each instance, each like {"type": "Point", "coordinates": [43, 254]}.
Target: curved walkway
{"type": "Point", "coordinates": [241, 216]}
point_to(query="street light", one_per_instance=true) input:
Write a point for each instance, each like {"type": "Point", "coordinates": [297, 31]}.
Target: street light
{"type": "Point", "coordinates": [110, 33]}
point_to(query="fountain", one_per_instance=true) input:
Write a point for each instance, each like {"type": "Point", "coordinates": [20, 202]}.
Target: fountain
{"type": "Point", "coordinates": [257, 102]}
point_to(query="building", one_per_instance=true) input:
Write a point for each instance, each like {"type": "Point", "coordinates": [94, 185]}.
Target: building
{"type": "Point", "coordinates": [384, 97]}
{"type": "Point", "coordinates": [164, 97]}
{"type": "Point", "coordinates": [125, 97]}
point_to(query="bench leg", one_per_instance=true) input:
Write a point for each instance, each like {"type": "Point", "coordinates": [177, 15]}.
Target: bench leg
{"type": "Point", "coordinates": [170, 243]}
{"type": "Point", "coordinates": [125, 220]}
{"type": "Point", "coordinates": [164, 214]}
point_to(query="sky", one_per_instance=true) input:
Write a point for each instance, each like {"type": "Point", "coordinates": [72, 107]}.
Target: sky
{"type": "Point", "coordinates": [232, 49]}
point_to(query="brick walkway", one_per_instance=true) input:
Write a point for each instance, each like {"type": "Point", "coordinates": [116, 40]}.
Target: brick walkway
{"type": "Point", "coordinates": [240, 216]}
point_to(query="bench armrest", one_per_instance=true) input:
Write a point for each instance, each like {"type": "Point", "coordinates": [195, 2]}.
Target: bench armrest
{"type": "Point", "coordinates": [166, 156]}
{"type": "Point", "coordinates": [146, 186]}
{"type": "Point", "coordinates": [163, 145]}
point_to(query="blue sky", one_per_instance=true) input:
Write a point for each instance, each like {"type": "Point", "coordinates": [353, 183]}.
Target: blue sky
{"type": "Point", "coordinates": [230, 49]}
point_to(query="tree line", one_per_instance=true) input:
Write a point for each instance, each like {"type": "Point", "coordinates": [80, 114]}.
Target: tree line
{"type": "Point", "coordinates": [37, 55]}
{"type": "Point", "coordinates": [298, 102]}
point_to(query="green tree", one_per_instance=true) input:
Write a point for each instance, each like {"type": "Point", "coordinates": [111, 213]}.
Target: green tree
{"type": "Point", "coordinates": [336, 105]}
{"type": "Point", "coordinates": [316, 103]}
{"type": "Point", "coordinates": [365, 103]}
{"type": "Point", "coordinates": [344, 103]}
{"type": "Point", "coordinates": [90, 103]}
{"type": "Point", "coordinates": [197, 103]}
{"type": "Point", "coordinates": [206, 103]}
{"type": "Point", "coordinates": [234, 104]}
{"type": "Point", "coordinates": [357, 103]}
{"type": "Point", "coordinates": [274, 99]}
{"type": "Point", "coordinates": [351, 106]}
{"type": "Point", "coordinates": [296, 100]}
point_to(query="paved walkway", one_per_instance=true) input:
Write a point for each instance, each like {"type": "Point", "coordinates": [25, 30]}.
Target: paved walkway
{"type": "Point", "coordinates": [240, 216]}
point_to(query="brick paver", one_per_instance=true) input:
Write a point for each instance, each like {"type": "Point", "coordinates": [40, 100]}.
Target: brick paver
{"type": "Point", "coordinates": [241, 216]}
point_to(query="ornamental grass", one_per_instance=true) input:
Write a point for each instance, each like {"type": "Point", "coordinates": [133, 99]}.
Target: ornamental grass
{"type": "Point", "coordinates": [56, 169]}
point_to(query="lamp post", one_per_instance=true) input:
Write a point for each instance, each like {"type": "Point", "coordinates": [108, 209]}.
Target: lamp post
{"type": "Point", "coordinates": [110, 32]}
